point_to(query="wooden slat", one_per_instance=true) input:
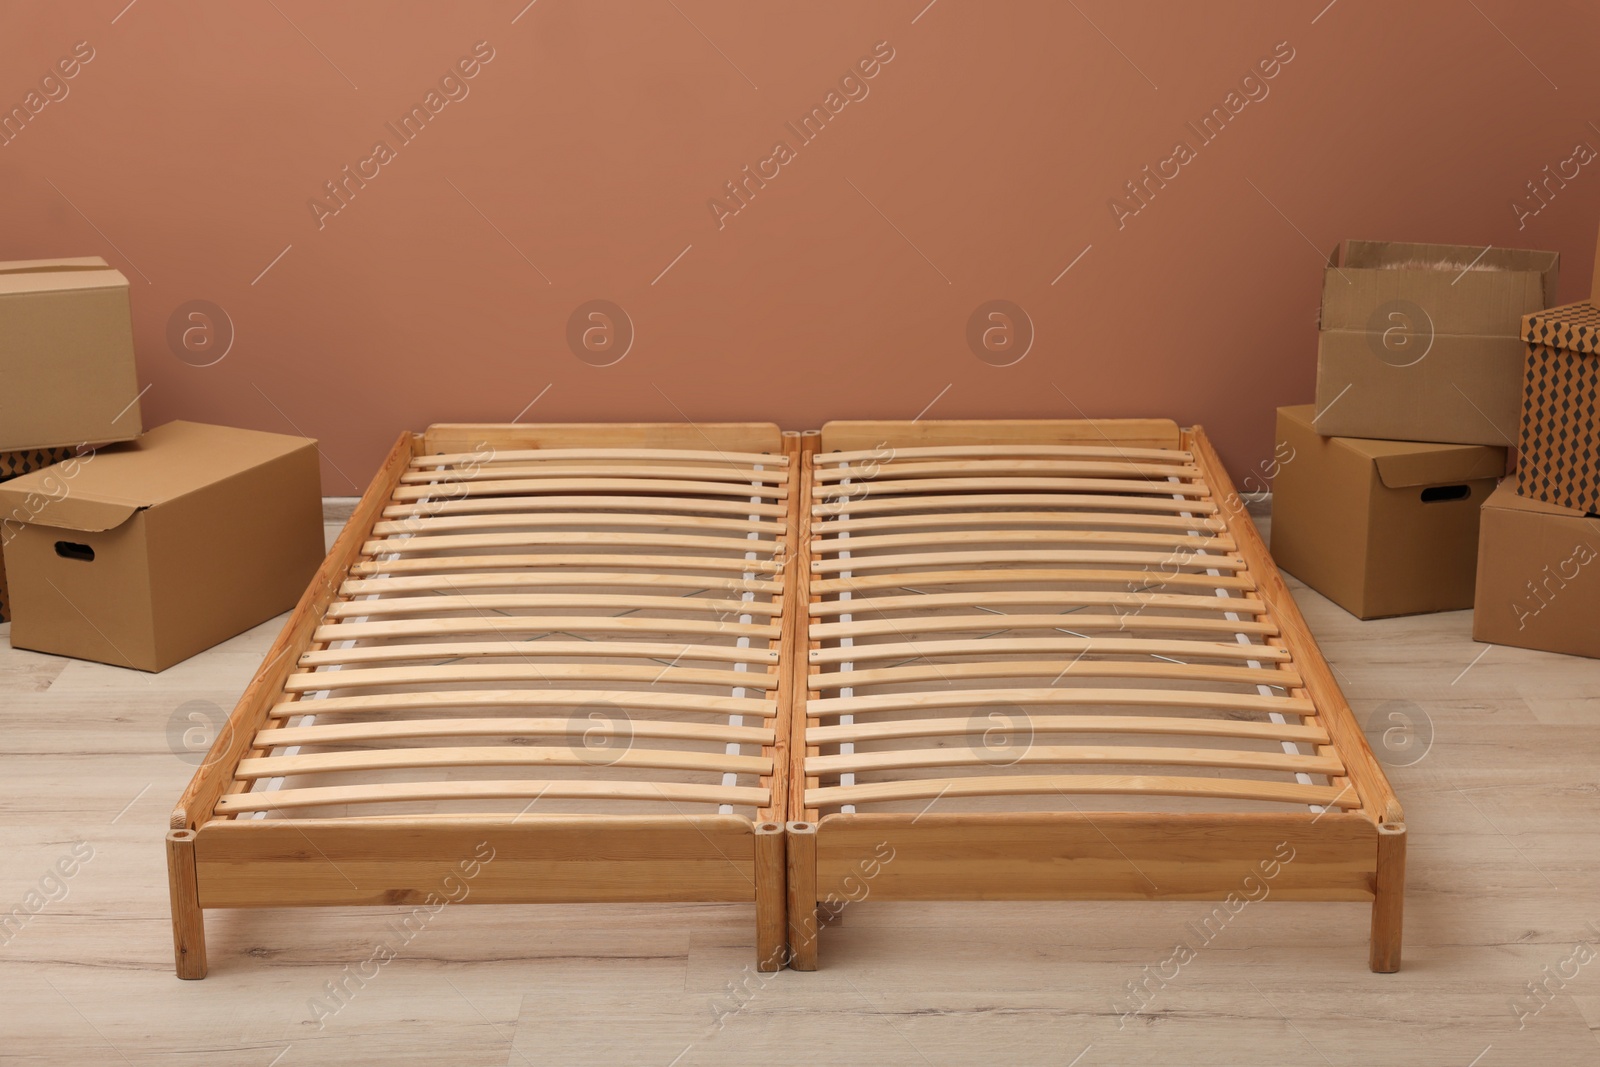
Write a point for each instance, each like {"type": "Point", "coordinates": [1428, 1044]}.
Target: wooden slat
{"type": "Point", "coordinates": [1050, 597]}
{"type": "Point", "coordinates": [370, 733]}
{"type": "Point", "coordinates": [539, 601]}
{"type": "Point", "coordinates": [876, 542]}
{"type": "Point", "coordinates": [497, 470]}
{"type": "Point", "coordinates": [673, 651]}
{"type": "Point", "coordinates": [560, 789]}
{"type": "Point", "coordinates": [403, 546]}
{"type": "Point", "coordinates": [1080, 785]}
{"type": "Point", "coordinates": [828, 459]}
{"type": "Point", "coordinates": [1068, 621]}
{"type": "Point", "coordinates": [518, 455]}
{"type": "Point", "coordinates": [477, 437]}
{"type": "Point", "coordinates": [1014, 646]}
{"type": "Point", "coordinates": [1003, 468]}
{"type": "Point", "coordinates": [577, 700]}
{"type": "Point", "coordinates": [891, 487]}
{"type": "Point", "coordinates": [1069, 696]}
{"type": "Point", "coordinates": [1062, 668]}
{"type": "Point", "coordinates": [549, 567]}
{"type": "Point", "coordinates": [916, 433]}
{"type": "Point", "coordinates": [504, 625]}
{"type": "Point", "coordinates": [1037, 725]}
{"type": "Point", "coordinates": [504, 487]}
{"type": "Point", "coordinates": [1115, 755]}
{"type": "Point", "coordinates": [1130, 580]}
{"type": "Point", "coordinates": [460, 583]}
{"type": "Point", "coordinates": [407, 759]}
{"type": "Point", "coordinates": [985, 519]}
{"type": "Point", "coordinates": [643, 505]}
{"type": "Point", "coordinates": [423, 524]}
{"type": "Point", "coordinates": [1170, 560]}
{"type": "Point", "coordinates": [315, 681]}
{"type": "Point", "coordinates": [824, 505]}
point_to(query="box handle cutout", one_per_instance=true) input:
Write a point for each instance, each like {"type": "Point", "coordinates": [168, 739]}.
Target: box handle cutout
{"type": "Point", "coordinates": [1445, 492]}
{"type": "Point", "coordinates": [72, 550]}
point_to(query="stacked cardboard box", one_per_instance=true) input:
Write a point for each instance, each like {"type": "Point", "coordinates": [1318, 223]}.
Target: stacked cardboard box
{"type": "Point", "coordinates": [129, 548]}
{"type": "Point", "coordinates": [1419, 380]}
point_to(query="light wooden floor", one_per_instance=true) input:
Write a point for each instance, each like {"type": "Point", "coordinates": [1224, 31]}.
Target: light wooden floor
{"type": "Point", "coordinates": [1503, 811]}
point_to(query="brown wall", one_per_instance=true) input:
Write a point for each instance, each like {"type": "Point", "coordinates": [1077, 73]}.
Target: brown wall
{"type": "Point", "coordinates": [581, 163]}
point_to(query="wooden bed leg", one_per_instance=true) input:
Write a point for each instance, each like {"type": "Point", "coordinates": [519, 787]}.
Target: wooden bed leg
{"type": "Point", "coordinates": [803, 929]}
{"type": "Point", "coordinates": [1388, 901]}
{"type": "Point", "coordinates": [188, 920]}
{"type": "Point", "coordinates": [772, 912]}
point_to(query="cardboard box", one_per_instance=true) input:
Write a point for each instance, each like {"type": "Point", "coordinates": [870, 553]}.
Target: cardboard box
{"type": "Point", "coordinates": [147, 553]}
{"type": "Point", "coordinates": [12, 465]}
{"type": "Point", "coordinates": [1538, 575]}
{"type": "Point", "coordinates": [66, 355]}
{"type": "Point", "coordinates": [1416, 347]}
{"type": "Point", "coordinates": [1560, 430]}
{"type": "Point", "coordinates": [1379, 527]}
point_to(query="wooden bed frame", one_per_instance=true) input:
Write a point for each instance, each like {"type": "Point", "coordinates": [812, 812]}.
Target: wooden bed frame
{"type": "Point", "coordinates": [840, 589]}
{"type": "Point", "coordinates": [1011, 622]}
{"type": "Point", "coordinates": [606, 601]}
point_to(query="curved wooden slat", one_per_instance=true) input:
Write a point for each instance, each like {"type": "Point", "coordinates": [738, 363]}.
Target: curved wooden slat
{"type": "Point", "coordinates": [578, 700]}
{"type": "Point", "coordinates": [367, 733]}
{"type": "Point", "coordinates": [519, 579]}
{"type": "Point", "coordinates": [1016, 646]}
{"type": "Point", "coordinates": [574, 789]}
{"type": "Point", "coordinates": [550, 568]}
{"type": "Point", "coordinates": [983, 519]}
{"type": "Point", "coordinates": [891, 487]}
{"type": "Point", "coordinates": [685, 455]}
{"type": "Point", "coordinates": [469, 650]}
{"type": "Point", "coordinates": [1130, 580]}
{"type": "Point", "coordinates": [827, 459]}
{"type": "Point", "coordinates": [490, 505]}
{"type": "Point", "coordinates": [315, 681]}
{"type": "Point", "coordinates": [1064, 755]}
{"type": "Point", "coordinates": [873, 542]}
{"type": "Point", "coordinates": [1069, 696]}
{"type": "Point", "coordinates": [823, 503]}
{"type": "Point", "coordinates": [1082, 785]}
{"type": "Point", "coordinates": [1069, 621]}
{"type": "Point", "coordinates": [588, 485]}
{"type": "Point", "coordinates": [1170, 560]}
{"type": "Point", "coordinates": [537, 601]}
{"type": "Point", "coordinates": [403, 546]}
{"type": "Point", "coordinates": [1050, 597]}
{"type": "Point", "coordinates": [496, 470]}
{"type": "Point", "coordinates": [1003, 468]}
{"type": "Point", "coordinates": [553, 624]}
{"type": "Point", "coordinates": [1036, 725]}
{"type": "Point", "coordinates": [457, 523]}
{"type": "Point", "coordinates": [1063, 668]}
{"type": "Point", "coordinates": [415, 759]}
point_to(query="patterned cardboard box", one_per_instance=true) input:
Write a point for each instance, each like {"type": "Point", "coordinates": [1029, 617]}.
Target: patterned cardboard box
{"type": "Point", "coordinates": [1560, 434]}
{"type": "Point", "coordinates": [13, 464]}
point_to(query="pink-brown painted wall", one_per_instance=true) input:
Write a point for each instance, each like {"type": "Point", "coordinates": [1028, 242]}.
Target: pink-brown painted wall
{"type": "Point", "coordinates": [580, 159]}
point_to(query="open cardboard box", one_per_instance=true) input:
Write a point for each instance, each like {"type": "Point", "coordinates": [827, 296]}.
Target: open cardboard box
{"type": "Point", "coordinates": [141, 555]}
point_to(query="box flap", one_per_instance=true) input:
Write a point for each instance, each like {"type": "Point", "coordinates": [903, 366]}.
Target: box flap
{"type": "Point", "coordinates": [1402, 464]}
{"type": "Point", "coordinates": [44, 275]}
{"type": "Point", "coordinates": [1373, 286]}
{"type": "Point", "coordinates": [1575, 327]}
{"type": "Point", "coordinates": [169, 462]}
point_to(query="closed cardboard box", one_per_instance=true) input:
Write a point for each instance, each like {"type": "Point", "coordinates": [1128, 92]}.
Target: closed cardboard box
{"type": "Point", "coordinates": [147, 553]}
{"type": "Point", "coordinates": [66, 355]}
{"type": "Point", "coordinates": [1379, 527]}
{"type": "Point", "coordinates": [1420, 342]}
{"type": "Point", "coordinates": [1538, 575]}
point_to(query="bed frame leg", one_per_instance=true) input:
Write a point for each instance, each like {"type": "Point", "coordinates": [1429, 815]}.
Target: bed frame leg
{"type": "Point", "coordinates": [772, 912]}
{"type": "Point", "coordinates": [803, 929]}
{"type": "Point", "coordinates": [188, 920]}
{"type": "Point", "coordinates": [1388, 900]}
